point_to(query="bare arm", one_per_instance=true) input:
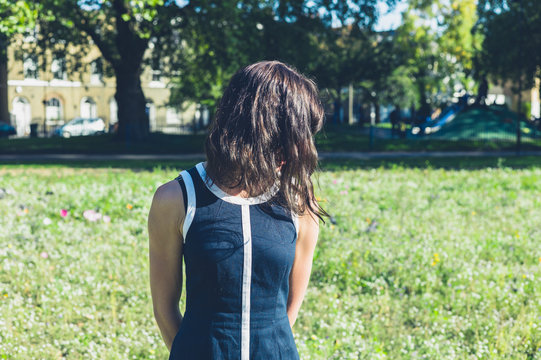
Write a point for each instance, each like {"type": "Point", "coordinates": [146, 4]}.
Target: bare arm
{"type": "Point", "coordinates": [302, 265]}
{"type": "Point", "coordinates": [165, 252]}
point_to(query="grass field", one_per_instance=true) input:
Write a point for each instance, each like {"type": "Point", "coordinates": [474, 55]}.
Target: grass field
{"type": "Point", "coordinates": [424, 260]}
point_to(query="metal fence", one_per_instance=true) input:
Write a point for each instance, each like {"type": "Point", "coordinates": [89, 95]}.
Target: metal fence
{"type": "Point", "coordinates": [469, 128]}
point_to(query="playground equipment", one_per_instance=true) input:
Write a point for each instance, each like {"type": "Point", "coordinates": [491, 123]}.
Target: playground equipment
{"type": "Point", "coordinates": [481, 123]}
{"type": "Point", "coordinates": [432, 126]}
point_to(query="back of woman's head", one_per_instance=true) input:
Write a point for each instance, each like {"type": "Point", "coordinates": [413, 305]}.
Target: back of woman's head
{"type": "Point", "coordinates": [262, 135]}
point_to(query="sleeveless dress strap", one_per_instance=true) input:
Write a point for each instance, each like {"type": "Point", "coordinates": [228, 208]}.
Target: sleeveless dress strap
{"type": "Point", "coordinates": [189, 201]}
{"type": "Point", "coordinates": [183, 188]}
{"type": "Point", "coordinates": [295, 219]}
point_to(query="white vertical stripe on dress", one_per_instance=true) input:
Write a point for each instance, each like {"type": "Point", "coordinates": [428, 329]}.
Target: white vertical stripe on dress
{"type": "Point", "coordinates": [246, 283]}
{"type": "Point", "coordinates": [190, 206]}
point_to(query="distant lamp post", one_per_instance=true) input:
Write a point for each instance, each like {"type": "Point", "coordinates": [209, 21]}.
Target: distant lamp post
{"type": "Point", "coordinates": [44, 117]}
{"type": "Point", "coordinates": [522, 31]}
{"type": "Point", "coordinates": [372, 121]}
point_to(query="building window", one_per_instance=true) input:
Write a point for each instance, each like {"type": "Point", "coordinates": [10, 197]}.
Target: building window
{"type": "Point", "coordinates": [172, 116]}
{"type": "Point", "coordinates": [22, 115]}
{"type": "Point", "coordinates": [30, 67]}
{"type": "Point", "coordinates": [53, 109]}
{"type": "Point", "coordinates": [96, 71]}
{"type": "Point", "coordinates": [113, 111]}
{"type": "Point", "coordinates": [30, 35]}
{"type": "Point", "coordinates": [88, 108]}
{"type": "Point", "coordinates": [151, 112]}
{"type": "Point", "coordinates": [58, 68]}
{"type": "Point", "coordinates": [156, 75]}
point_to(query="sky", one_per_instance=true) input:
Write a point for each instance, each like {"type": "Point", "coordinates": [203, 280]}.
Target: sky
{"type": "Point", "coordinates": [390, 18]}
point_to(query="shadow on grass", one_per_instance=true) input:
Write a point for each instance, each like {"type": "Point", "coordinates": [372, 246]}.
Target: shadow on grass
{"type": "Point", "coordinates": [448, 163]}
{"type": "Point", "coordinates": [156, 143]}
{"type": "Point", "coordinates": [351, 139]}
{"type": "Point", "coordinates": [135, 165]}
{"type": "Point", "coordinates": [333, 138]}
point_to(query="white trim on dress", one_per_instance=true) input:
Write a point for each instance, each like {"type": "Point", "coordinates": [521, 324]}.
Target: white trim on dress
{"type": "Point", "coordinates": [295, 218]}
{"type": "Point", "coordinates": [230, 198]}
{"type": "Point", "coordinates": [190, 208]}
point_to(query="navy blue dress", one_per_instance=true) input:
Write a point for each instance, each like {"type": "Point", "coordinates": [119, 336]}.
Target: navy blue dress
{"type": "Point", "coordinates": [238, 258]}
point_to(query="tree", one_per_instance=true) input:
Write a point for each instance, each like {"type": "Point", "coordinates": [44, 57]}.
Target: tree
{"type": "Point", "coordinates": [436, 38]}
{"type": "Point", "coordinates": [512, 37]}
{"type": "Point", "coordinates": [511, 49]}
{"type": "Point", "coordinates": [382, 66]}
{"type": "Point", "coordinates": [343, 59]}
{"type": "Point", "coordinates": [350, 52]}
{"type": "Point", "coordinates": [199, 44]}
{"type": "Point", "coordinates": [123, 31]}
{"type": "Point", "coordinates": [15, 17]}
{"type": "Point", "coordinates": [459, 43]}
{"type": "Point", "coordinates": [221, 38]}
{"type": "Point", "coordinates": [218, 38]}
{"type": "Point", "coordinates": [321, 38]}
{"type": "Point", "coordinates": [419, 45]}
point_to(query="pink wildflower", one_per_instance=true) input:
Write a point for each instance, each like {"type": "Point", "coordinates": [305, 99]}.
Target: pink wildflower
{"type": "Point", "coordinates": [91, 215]}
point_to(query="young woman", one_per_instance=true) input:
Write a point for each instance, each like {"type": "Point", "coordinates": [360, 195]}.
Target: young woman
{"type": "Point", "coordinates": [245, 222]}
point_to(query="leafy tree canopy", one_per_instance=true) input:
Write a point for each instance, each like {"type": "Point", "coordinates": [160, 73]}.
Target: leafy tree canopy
{"type": "Point", "coordinates": [15, 16]}
{"type": "Point", "coordinates": [511, 49]}
{"type": "Point", "coordinates": [438, 47]}
{"type": "Point", "coordinates": [123, 31]}
{"type": "Point", "coordinates": [325, 39]}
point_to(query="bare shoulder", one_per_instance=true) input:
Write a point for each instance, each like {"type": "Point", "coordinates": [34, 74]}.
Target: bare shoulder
{"type": "Point", "coordinates": [168, 202]}
{"type": "Point", "coordinates": [168, 194]}
{"type": "Point", "coordinates": [308, 228]}
{"type": "Point", "coordinates": [309, 218]}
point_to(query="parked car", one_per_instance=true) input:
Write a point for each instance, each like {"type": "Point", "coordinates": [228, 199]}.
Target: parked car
{"type": "Point", "coordinates": [7, 130]}
{"type": "Point", "coordinates": [81, 127]}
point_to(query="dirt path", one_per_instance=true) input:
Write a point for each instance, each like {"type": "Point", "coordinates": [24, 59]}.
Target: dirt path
{"type": "Point", "coordinates": [13, 158]}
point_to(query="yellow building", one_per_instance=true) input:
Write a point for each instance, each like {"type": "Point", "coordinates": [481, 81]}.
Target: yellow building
{"type": "Point", "coordinates": [504, 94]}
{"type": "Point", "coordinates": [53, 97]}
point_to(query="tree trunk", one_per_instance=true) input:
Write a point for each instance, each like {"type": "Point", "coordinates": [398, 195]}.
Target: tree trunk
{"type": "Point", "coordinates": [337, 111]}
{"type": "Point", "coordinates": [4, 113]}
{"type": "Point", "coordinates": [424, 107]}
{"type": "Point", "coordinates": [378, 111]}
{"type": "Point", "coordinates": [519, 117]}
{"type": "Point", "coordinates": [538, 87]}
{"type": "Point", "coordinates": [350, 104]}
{"type": "Point", "coordinates": [133, 121]}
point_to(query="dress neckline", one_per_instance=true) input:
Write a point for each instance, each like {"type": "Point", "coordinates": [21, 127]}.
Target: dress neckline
{"type": "Point", "coordinates": [220, 194]}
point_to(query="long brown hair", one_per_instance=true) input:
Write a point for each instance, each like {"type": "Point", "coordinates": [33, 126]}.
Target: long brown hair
{"type": "Point", "coordinates": [266, 121]}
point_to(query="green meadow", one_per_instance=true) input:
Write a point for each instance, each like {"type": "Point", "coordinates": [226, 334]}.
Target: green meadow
{"type": "Point", "coordinates": [420, 260]}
